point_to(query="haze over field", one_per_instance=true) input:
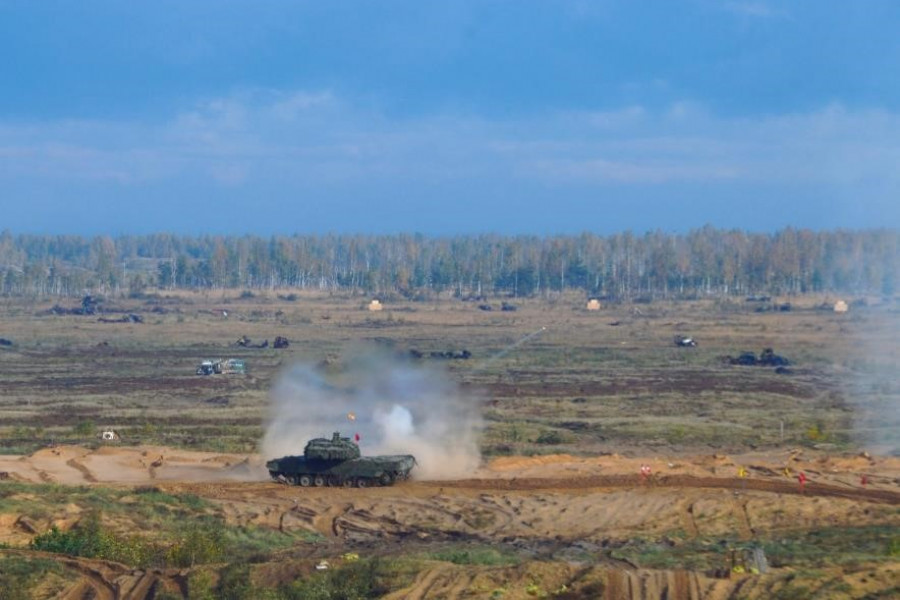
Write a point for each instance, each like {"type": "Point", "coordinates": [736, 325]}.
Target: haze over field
{"type": "Point", "coordinates": [510, 117]}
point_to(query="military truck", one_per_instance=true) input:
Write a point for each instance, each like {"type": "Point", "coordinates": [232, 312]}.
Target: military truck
{"type": "Point", "coordinates": [337, 462]}
{"type": "Point", "coordinates": [220, 366]}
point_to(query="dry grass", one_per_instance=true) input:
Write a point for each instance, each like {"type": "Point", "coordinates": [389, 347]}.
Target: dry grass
{"type": "Point", "coordinates": [602, 380]}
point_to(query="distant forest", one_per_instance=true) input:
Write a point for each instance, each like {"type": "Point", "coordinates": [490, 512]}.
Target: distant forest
{"type": "Point", "coordinates": [704, 262]}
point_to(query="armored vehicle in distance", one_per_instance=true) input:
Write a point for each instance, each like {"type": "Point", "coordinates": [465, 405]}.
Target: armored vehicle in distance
{"type": "Point", "coordinates": [337, 462]}
{"type": "Point", "coordinates": [221, 366]}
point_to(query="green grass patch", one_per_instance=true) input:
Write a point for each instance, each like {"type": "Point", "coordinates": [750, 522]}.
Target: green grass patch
{"type": "Point", "coordinates": [845, 546]}
{"type": "Point", "coordinates": [147, 506]}
{"type": "Point", "coordinates": [358, 580]}
{"type": "Point", "coordinates": [19, 575]}
{"type": "Point", "coordinates": [251, 541]}
{"type": "Point", "coordinates": [205, 540]}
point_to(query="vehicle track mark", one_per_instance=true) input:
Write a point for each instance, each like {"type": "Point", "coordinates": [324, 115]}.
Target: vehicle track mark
{"type": "Point", "coordinates": [676, 481]}
{"type": "Point", "coordinates": [687, 517]}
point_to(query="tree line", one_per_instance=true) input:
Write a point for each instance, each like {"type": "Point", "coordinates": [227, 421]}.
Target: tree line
{"type": "Point", "coordinates": [702, 262]}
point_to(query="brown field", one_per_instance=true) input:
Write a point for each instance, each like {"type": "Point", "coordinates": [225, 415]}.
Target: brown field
{"type": "Point", "coordinates": [557, 508]}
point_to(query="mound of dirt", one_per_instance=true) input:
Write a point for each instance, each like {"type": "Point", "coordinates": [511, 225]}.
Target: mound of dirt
{"type": "Point", "coordinates": [556, 508]}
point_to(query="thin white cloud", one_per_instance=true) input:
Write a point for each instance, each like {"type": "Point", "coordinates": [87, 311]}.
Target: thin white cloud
{"type": "Point", "coordinates": [315, 137]}
{"type": "Point", "coordinates": [653, 172]}
{"type": "Point", "coordinates": [617, 119]}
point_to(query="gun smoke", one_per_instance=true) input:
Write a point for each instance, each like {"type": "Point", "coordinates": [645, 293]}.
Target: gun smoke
{"type": "Point", "coordinates": [394, 407]}
{"type": "Point", "coordinates": [871, 386]}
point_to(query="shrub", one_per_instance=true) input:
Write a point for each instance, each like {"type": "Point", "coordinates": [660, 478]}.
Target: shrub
{"type": "Point", "coordinates": [86, 539]}
{"type": "Point", "coordinates": [475, 556]}
{"type": "Point", "coordinates": [355, 581]}
{"type": "Point", "coordinates": [90, 540]}
{"type": "Point", "coordinates": [200, 544]}
{"type": "Point", "coordinates": [200, 586]}
{"type": "Point", "coordinates": [235, 584]}
{"type": "Point", "coordinates": [85, 428]}
{"type": "Point", "coordinates": [549, 436]}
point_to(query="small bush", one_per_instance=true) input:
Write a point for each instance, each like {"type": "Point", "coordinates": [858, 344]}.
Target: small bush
{"type": "Point", "coordinates": [200, 544]}
{"type": "Point", "coordinates": [200, 586]}
{"type": "Point", "coordinates": [235, 584]}
{"type": "Point", "coordinates": [90, 540]}
{"type": "Point", "coordinates": [549, 436]}
{"type": "Point", "coordinates": [85, 428]}
{"type": "Point", "coordinates": [356, 580]}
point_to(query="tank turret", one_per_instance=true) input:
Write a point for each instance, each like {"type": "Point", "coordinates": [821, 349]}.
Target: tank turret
{"type": "Point", "coordinates": [337, 448]}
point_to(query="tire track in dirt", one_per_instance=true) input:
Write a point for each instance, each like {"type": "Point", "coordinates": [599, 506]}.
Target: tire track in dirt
{"type": "Point", "coordinates": [85, 472]}
{"type": "Point", "coordinates": [676, 481]}
{"type": "Point", "coordinates": [652, 507]}
{"type": "Point", "coordinates": [97, 575]}
{"type": "Point", "coordinates": [103, 589]}
{"type": "Point", "coordinates": [142, 586]}
{"type": "Point", "coordinates": [687, 517]}
{"type": "Point", "coordinates": [429, 583]}
{"type": "Point", "coordinates": [477, 511]}
{"type": "Point", "coordinates": [107, 580]}
{"type": "Point", "coordinates": [739, 510]}
{"type": "Point", "coordinates": [332, 522]}
{"type": "Point", "coordinates": [484, 517]}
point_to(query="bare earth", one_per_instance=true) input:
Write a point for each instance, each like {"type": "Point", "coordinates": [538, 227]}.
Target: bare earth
{"type": "Point", "coordinates": [552, 506]}
{"type": "Point", "coordinates": [574, 403]}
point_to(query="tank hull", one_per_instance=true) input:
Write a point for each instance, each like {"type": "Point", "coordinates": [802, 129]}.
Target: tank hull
{"type": "Point", "coordinates": [360, 472]}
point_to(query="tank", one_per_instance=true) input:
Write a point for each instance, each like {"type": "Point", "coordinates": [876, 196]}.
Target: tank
{"type": "Point", "coordinates": [337, 462]}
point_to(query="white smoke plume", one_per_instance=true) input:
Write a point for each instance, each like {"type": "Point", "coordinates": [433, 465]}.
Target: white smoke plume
{"type": "Point", "coordinates": [395, 407]}
{"type": "Point", "coordinates": [872, 387]}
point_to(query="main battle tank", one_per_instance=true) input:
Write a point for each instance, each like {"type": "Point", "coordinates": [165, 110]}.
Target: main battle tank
{"type": "Point", "coordinates": [337, 462]}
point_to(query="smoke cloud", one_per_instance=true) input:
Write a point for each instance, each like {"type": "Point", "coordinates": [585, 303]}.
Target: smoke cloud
{"type": "Point", "coordinates": [395, 407]}
{"type": "Point", "coordinates": [872, 387]}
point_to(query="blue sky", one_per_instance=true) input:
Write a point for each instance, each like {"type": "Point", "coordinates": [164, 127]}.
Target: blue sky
{"type": "Point", "coordinates": [512, 116]}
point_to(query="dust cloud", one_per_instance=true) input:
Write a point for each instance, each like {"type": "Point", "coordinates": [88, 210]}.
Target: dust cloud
{"type": "Point", "coordinates": [394, 406]}
{"type": "Point", "coordinates": [872, 387]}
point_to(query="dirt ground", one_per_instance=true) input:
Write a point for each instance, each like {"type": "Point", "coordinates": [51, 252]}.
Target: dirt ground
{"type": "Point", "coordinates": [572, 412]}
{"type": "Point", "coordinates": [553, 509]}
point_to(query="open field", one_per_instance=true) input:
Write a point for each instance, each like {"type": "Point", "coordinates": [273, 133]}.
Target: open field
{"type": "Point", "coordinates": [574, 402]}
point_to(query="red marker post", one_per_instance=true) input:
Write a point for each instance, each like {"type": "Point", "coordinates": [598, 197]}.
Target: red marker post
{"type": "Point", "coordinates": [801, 477]}
{"type": "Point", "coordinates": [645, 473]}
